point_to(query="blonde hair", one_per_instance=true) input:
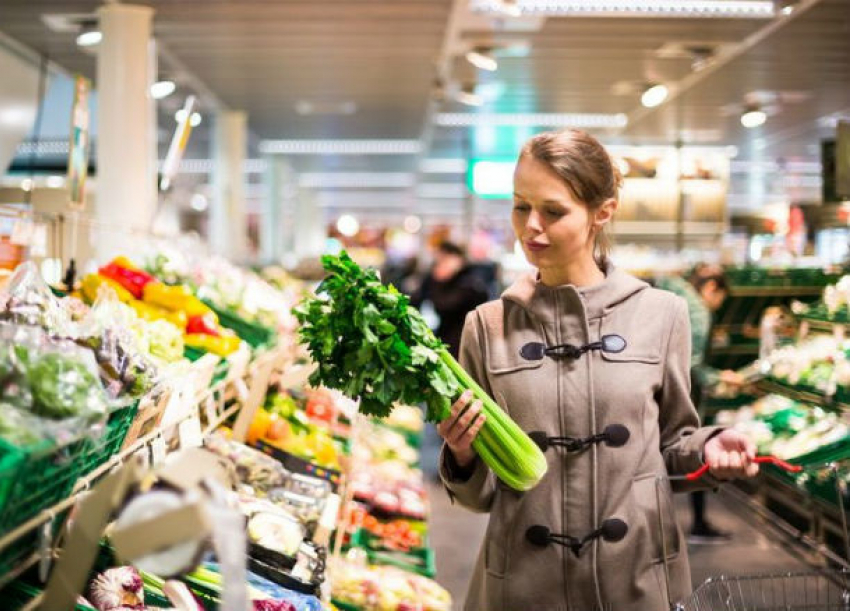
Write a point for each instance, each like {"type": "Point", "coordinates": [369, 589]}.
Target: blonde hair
{"type": "Point", "coordinates": [586, 169]}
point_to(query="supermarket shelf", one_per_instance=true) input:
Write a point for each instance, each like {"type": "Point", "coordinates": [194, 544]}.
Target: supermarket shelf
{"type": "Point", "coordinates": [775, 291]}
{"type": "Point", "coordinates": [216, 415]}
{"type": "Point", "coordinates": [736, 349]}
{"type": "Point", "coordinates": [818, 324]}
{"type": "Point", "coordinates": [805, 396]}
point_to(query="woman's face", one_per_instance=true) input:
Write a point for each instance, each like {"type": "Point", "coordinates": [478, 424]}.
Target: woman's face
{"type": "Point", "coordinates": [552, 226]}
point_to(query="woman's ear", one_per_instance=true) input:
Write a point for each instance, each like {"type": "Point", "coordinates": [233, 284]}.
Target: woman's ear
{"type": "Point", "coordinates": [605, 213]}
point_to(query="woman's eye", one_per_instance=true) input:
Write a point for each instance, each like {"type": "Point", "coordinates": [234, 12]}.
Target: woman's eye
{"type": "Point", "coordinates": [555, 213]}
{"type": "Point", "coordinates": [522, 207]}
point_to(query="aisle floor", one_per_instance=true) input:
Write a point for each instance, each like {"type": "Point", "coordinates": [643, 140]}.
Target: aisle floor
{"type": "Point", "coordinates": [457, 534]}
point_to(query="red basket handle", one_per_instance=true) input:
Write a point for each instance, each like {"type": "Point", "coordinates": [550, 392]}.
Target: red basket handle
{"type": "Point", "coordinates": [692, 477]}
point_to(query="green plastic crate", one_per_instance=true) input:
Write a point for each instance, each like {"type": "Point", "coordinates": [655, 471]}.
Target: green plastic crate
{"type": "Point", "coordinates": [344, 606]}
{"type": "Point", "coordinates": [221, 369]}
{"type": "Point", "coordinates": [36, 477]}
{"type": "Point", "coordinates": [117, 426]}
{"type": "Point", "coordinates": [256, 335]}
{"type": "Point", "coordinates": [17, 594]}
{"type": "Point", "coordinates": [420, 560]}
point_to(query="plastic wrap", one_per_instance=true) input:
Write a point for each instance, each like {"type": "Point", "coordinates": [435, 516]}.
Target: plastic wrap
{"type": "Point", "coordinates": [116, 336]}
{"type": "Point", "coordinates": [27, 300]}
{"type": "Point", "coordinates": [48, 389]}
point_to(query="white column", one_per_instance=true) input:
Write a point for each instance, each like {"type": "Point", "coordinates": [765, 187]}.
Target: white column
{"type": "Point", "coordinates": [126, 163]}
{"type": "Point", "coordinates": [228, 223]}
{"type": "Point", "coordinates": [309, 226]}
{"type": "Point", "coordinates": [276, 228]}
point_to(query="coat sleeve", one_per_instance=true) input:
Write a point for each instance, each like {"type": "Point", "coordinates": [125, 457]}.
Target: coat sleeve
{"type": "Point", "coordinates": [682, 438]}
{"type": "Point", "coordinates": [475, 487]}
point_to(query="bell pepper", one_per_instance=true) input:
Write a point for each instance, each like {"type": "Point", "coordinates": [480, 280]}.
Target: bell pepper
{"type": "Point", "coordinates": [205, 325]}
{"type": "Point", "coordinates": [90, 287]}
{"type": "Point", "coordinates": [176, 298]}
{"type": "Point", "coordinates": [223, 345]}
{"type": "Point", "coordinates": [134, 280]}
{"type": "Point", "coordinates": [147, 311]}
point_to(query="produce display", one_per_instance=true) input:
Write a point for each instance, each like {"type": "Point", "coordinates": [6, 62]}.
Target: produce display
{"type": "Point", "coordinates": [81, 364]}
{"type": "Point", "coordinates": [373, 346]}
{"type": "Point", "coordinates": [835, 305]}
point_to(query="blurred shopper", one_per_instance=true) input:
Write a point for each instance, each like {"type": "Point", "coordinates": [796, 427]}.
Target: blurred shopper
{"type": "Point", "coordinates": [704, 292]}
{"type": "Point", "coordinates": [454, 290]}
{"type": "Point", "coordinates": [596, 363]}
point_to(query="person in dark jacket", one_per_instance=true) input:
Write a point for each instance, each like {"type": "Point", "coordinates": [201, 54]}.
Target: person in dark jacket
{"type": "Point", "coordinates": [454, 290]}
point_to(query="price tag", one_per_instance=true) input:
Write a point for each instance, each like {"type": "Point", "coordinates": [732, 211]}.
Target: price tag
{"type": "Point", "coordinates": [838, 332]}
{"type": "Point", "coordinates": [143, 455]}
{"type": "Point", "coordinates": [158, 451]}
{"type": "Point", "coordinates": [189, 432]}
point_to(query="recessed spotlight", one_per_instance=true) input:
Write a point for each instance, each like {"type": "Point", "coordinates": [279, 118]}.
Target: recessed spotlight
{"type": "Point", "coordinates": [55, 182]}
{"type": "Point", "coordinates": [654, 96]}
{"type": "Point", "coordinates": [483, 59]}
{"type": "Point", "coordinates": [90, 34]}
{"type": "Point", "coordinates": [195, 121]}
{"type": "Point", "coordinates": [412, 224]}
{"type": "Point", "coordinates": [26, 184]}
{"type": "Point", "coordinates": [753, 118]}
{"type": "Point", "coordinates": [162, 89]}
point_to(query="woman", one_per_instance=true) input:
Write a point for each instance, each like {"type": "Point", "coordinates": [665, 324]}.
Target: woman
{"type": "Point", "coordinates": [612, 540]}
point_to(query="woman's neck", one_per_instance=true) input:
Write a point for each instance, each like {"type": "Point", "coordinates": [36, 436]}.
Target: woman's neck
{"type": "Point", "coordinates": [578, 273]}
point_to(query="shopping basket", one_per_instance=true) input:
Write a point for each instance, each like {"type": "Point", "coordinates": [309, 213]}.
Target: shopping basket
{"type": "Point", "coordinates": [825, 590]}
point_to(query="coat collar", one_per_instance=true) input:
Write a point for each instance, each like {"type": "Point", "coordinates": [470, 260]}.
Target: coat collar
{"type": "Point", "coordinates": [538, 298]}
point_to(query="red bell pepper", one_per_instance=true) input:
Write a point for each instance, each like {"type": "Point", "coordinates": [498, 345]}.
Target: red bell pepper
{"type": "Point", "coordinates": [134, 280]}
{"type": "Point", "coordinates": [202, 325]}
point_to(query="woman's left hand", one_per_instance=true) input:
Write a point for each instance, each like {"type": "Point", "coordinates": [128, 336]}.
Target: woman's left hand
{"type": "Point", "coordinates": [730, 455]}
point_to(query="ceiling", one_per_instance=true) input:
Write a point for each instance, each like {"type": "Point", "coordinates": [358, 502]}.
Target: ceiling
{"type": "Point", "coordinates": [393, 65]}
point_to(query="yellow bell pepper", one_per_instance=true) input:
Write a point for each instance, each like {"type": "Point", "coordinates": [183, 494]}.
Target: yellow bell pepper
{"type": "Point", "coordinates": [90, 287]}
{"type": "Point", "coordinates": [124, 262]}
{"type": "Point", "coordinates": [176, 298]}
{"type": "Point", "coordinates": [223, 345]}
{"type": "Point", "coordinates": [147, 311]}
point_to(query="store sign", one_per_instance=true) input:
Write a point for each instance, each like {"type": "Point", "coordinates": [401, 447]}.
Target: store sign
{"type": "Point", "coordinates": [491, 178]}
{"type": "Point", "coordinates": [78, 151]}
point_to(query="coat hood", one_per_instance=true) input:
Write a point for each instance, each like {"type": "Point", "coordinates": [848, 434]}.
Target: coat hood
{"type": "Point", "coordinates": [537, 298]}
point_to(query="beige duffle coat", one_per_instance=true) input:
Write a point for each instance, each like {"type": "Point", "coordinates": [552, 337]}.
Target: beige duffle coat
{"type": "Point", "coordinates": [645, 387]}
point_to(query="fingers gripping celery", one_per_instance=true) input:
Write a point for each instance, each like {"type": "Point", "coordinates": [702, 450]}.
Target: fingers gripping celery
{"type": "Point", "coordinates": [371, 345]}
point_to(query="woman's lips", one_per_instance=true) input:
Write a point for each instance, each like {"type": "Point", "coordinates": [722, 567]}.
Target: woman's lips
{"type": "Point", "coordinates": [535, 247]}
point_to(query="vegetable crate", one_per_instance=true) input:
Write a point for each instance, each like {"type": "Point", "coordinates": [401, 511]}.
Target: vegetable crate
{"type": "Point", "coordinates": [35, 477]}
{"type": "Point", "coordinates": [256, 335]}
{"type": "Point", "coordinates": [17, 594]}
{"type": "Point", "coordinates": [101, 450]}
{"type": "Point", "coordinates": [419, 560]}
{"type": "Point", "coordinates": [221, 370]}
{"type": "Point", "coordinates": [299, 465]}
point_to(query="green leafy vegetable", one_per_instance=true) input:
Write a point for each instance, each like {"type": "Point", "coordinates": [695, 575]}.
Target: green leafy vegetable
{"type": "Point", "coordinates": [63, 387]}
{"type": "Point", "coordinates": [373, 346]}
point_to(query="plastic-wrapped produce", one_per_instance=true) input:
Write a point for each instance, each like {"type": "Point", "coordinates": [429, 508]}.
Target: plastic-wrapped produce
{"type": "Point", "coordinates": [27, 300]}
{"type": "Point", "coordinates": [253, 468]}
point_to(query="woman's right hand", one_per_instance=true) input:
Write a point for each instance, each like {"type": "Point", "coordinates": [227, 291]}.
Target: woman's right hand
{"type": "Point", "coordinates": [461, 428]}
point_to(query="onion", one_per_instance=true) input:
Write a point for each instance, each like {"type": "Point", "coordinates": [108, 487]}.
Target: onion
{"type": "Point", "coordinates": [119, 589]}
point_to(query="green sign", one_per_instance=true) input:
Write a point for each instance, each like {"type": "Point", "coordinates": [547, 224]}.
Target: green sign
{"type": "Point", "coordinates": [491, 178]}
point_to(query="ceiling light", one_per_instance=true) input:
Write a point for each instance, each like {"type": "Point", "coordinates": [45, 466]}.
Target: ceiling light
{"type": "Point", "coordinates": [753, 118]}
{"type": "Point", "coordinates": [162, 89]}
{"type": "Point", "coordinates": [482, 58]}
{"type": "Point", "coordinates": [341, 147]}
{"type": "Point", "coordinates": [180, 116]}
{"type": "Point", "coordinates": [654, 96]}
{"type": "Point", "coordinates": [307, 108]}
{"type": "Point", "coordinates": [362, 180]}
{"type": "Point", "coordinates": [15, 116]}
{"type": "Point", "coordinates": [468, 97]}
{"type": "Point", "coordinates": [55, 182]}
{"type": "Point", "coordinates": [89, 35]}
{"type": "Point", "coordinates": [443, 166]}
{"type": "Point", "coordinates": [199, 202]}
{"type": "Point", "coordinates": [441, 190]}
{"type": "Point", "coordinates": [763, 9]}
{"type": "Point", "coordinates": [26, 184]}
{"type": "Point", "coordinates": [347, 225]}
{"type": "Point", "coordinates": [412, 224]}
{"type": "Point", "coordinates": [577, 120]}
